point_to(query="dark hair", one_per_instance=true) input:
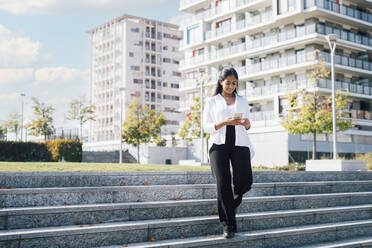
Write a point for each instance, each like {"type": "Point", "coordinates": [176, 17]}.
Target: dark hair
{"type": "Point", "coordinates": [223, 75]}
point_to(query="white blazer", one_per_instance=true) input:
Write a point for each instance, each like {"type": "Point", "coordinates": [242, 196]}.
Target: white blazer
{"type": "Point", "coordinates": [215, 112]}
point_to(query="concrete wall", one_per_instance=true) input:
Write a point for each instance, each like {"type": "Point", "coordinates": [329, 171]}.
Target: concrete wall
{"type": "Point", "coordinates": [271, 148]}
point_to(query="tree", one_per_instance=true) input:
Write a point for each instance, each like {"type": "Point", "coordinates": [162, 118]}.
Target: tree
{"type": "Point", "coordinates": [311, 112]}
{"type": "Point", "coordinates": [82, 112]}
{"type": "Point", "coordinates": [13, 124]}
{"type": "Point", "coordinates": [3, 131]}
{"type": "Point", "coordinates": [42, 124]}
{"type": "Point", "coordinates": [190, 129]}
{"type": "Point", "coordinates": [142, 125]}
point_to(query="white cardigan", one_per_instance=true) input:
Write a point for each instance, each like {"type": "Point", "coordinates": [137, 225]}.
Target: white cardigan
{"type": "Point", "coordinates": [215, 112]}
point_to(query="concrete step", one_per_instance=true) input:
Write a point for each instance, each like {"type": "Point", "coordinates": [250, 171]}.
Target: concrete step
{"type": "Point", "coordinates": [347, 243]}
{"type": "Point", "coordinates": [269, 238]}
{"type": "Point", "coordinates": [360, 218]}
{"type": "Point", "coordinates": [115, 194]}
{"type": "Point", "coordinates": [36, 217]}
{"type": "Point", "coordinates": [91, 179]}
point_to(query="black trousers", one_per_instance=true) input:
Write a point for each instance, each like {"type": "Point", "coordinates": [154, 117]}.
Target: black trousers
{"type": "Point", "coordinates": [220, 157]}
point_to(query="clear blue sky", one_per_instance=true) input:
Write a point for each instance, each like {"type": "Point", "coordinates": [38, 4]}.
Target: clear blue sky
{"type": "Point", "coordinates": [44, 47]}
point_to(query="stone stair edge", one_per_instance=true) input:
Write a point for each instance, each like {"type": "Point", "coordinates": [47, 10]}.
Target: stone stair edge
{"type": "Point", "coordinates": [136, 173]}
{"type": "Point", "coordinates": [178, 186]}
{"type": "Point", "coordinates": [189, 202]}
{"type": "Point", "coordinates": [158, 223]}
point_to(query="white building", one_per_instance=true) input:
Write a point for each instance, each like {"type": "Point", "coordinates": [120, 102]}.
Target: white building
{"type": "Point", "coordinates": [268, 43]}
{"type": "Point", "coordinates": [142, 57]}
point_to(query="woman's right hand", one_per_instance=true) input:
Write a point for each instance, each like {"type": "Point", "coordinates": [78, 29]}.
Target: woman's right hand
{"type": "Point", "coordinates": [232, 121]}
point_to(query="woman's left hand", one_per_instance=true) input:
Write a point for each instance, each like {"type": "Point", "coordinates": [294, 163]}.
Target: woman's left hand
{"type": "Point", "coordinates": [245, 122]}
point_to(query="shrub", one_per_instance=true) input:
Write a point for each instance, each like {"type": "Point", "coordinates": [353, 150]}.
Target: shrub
{"type": "Point", "coordinates": [24, 151]}
{"type": "Point", "coordinates": [367, 157]}
{"type": "Point", "coordinates": [70, 150]}
{"type": "Point", "coordinates": [48, 151]}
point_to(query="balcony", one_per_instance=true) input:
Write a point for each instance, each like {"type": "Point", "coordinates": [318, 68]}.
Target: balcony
{"type": "Point", "coordinates": [239, 25]}
{"type": "Point", "coordinates": [276, 89]}
{"type": "Point", "coordinates": [262, 116]}
{"type": "Point", "coordinates": [357, 114]}
{"type": "Point", "coordinates": [346, 11]}
{"type": "Point", "coordinates": [349, 62]}
{"type": "Point", "coordinates": [217, 12]}
{"type": "Point", "coordinates": [193, 5]}
{"type": "Point", "coordinates": [351, 87]}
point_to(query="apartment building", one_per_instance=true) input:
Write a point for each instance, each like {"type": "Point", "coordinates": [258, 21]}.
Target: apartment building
{"type": "Point", "coordinates": [132, 57]}
{"type": "Point", "coordinates": [270, 43]}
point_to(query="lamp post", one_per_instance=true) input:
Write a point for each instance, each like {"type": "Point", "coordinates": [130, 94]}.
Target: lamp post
{"type": "Point", "coordinates": [202, 71]}
{"type": "Point", "coordinates": [332, 38]}
{"type": "Point", "coordinates": [121, 90]}
{"type": "Point", "coordinates": [22, 95]}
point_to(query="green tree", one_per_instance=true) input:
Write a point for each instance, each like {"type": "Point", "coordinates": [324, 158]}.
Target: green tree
{"type": "Point", "coordinates": [13, 124]}
{"type": "Point", "coordinates": [190, 129]}
{"type": "Point", "coordinates": [311, 111]}
{"type": "Point", "coordinates": [142, 125]}
{"type": "Point", "coordinates": [42, 124]}
{"type": "Point", "coordinates": [82, 112]}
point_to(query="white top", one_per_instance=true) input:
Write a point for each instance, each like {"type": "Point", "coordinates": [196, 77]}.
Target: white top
{"type": "Point", "coordinates": [230, 110]}
{"type": "Point", "coordinates": [216, 110]}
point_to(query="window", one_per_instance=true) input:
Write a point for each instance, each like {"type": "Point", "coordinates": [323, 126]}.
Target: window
{"type": "Point", "coordinates": [134, 68]}
{"type": "Point", "coordinates": [175, 86]}
{"type": "Point", "coordinates": [320, 28]}
{"type": "Point", "coordinates": [166, 60]}
{"type": "Point", "coordinates": [176, 62]}
{"type": "Point", "coordinates": [134, 30]}
{"type": "Point", "coordinates": [176, 74]}
{"type": "Point", "coordinates": [165, 48]}
{"type": "Point", "coordinates": [169, 97]}
{"type": "Point", "coordinates": [131, 54]}
{"type": "Point", "coordinates": [165, 85]}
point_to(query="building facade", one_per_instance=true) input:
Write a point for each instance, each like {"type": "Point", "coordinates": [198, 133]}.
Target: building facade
{"type": "Point", "coordinates": [271, 43]}
{"type": "Point", "coordinates": [132, 57]}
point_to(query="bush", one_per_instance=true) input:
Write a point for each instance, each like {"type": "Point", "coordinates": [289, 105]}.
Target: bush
{"type": "Point", "coordinates": [70, 150]}
{"type": "Point", "coordinates": [367, 157]}
{"type": "Point", "coordinates": [24, 151]}
{"type": "Point", "coordinates": [290, 167]}
{"type": "Point", "coordinates": [47, 151]}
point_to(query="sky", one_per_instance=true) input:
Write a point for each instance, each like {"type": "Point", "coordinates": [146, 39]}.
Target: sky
{"type": "Point", "coordinates": [44, 48]}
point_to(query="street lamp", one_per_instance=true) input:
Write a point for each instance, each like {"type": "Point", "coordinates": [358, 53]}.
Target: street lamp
{"type": "Point", "coordinates": [332, 38]}
{"type": "Point", "coordinates": [22, 95]}
{"type": "Point", "coordinates": [202, 71]}
{"type": "Point", "coordinates": [121, 90]}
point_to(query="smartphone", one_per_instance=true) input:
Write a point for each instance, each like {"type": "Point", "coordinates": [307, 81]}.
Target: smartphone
{"type": "Point", "coordinates": [240, 115]}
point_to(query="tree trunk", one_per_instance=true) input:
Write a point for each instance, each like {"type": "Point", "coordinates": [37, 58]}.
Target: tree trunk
{"type": "Point", "coordinates": [314, 145]}
{"type": "Point", "coordinates": [138, 158]}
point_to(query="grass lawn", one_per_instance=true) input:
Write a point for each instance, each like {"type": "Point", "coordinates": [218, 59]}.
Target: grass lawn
{"type": "Point", "coordinates": [111, 167]}
{"type": "Point", "coordinates": [93, 167]}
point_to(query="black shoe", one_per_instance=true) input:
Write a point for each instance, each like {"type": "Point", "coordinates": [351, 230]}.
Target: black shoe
{"type": "Point", "coordinates": [228, 234]}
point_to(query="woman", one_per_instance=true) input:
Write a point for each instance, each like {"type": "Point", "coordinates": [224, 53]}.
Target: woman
{"type": "Point", "coordinates": [226, 120]}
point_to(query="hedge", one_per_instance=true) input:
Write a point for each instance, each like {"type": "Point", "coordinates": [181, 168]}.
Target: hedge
{"type": "Point", "coordinates": [49, 151]}
{"type": "Point", "coordinates": [70, 150]}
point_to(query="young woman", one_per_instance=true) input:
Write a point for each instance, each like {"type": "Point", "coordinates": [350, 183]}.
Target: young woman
{"type": "Point", "coordinates": [226, 120]}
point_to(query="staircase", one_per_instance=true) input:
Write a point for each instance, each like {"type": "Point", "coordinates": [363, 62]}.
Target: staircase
{"type": "Point", "coordinates": [178, 209]}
